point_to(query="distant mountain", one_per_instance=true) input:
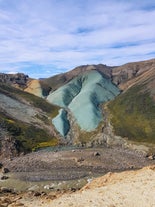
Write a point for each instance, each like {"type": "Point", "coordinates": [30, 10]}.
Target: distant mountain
{"type": "Point", "coordinates": [89, 105]}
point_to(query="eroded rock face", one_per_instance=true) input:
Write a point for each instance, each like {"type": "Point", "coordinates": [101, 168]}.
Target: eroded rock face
{"type": "Point", "coordinates": [82, 97]}
{"type": "Point", "coordinates": [8, 145]}
{"type": "Point", "coordinates": [61, 122]}
{"type": "Point", "coordinates": [126, 75]}
{"type": "Point", "coordinates": [20, 79]}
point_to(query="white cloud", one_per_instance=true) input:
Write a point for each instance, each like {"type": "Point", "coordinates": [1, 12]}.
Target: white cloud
{"type": "Point", "coordinates": [64, 34]}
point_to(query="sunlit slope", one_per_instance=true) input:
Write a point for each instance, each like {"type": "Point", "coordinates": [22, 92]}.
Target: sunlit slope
{"type": "Point", "coordinates": [34, 87]}
{"type": "Point", "coordinates": [133, 114]}
{"type": "Point", "coordinates": [83, 96]}
{"type": "Point", "coordinates": [26, 119]}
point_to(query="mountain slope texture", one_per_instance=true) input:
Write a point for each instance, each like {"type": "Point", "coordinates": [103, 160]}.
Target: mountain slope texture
{"type": "Point", "coordinates": [25, 120]}
{"type": "Point", "coordinates": [70, 106]}
{"type": "Point", "coordinates": [83, 96]}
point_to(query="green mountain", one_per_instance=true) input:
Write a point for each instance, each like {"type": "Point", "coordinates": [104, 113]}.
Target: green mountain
{"type": "Point", "coordinates": [89, 105]}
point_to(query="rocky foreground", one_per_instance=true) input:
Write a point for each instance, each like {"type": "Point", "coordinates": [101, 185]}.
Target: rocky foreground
{"type": "Point", "coordinates": [130, 188]}
{"type": "Point", "coordinates": [56, 178]}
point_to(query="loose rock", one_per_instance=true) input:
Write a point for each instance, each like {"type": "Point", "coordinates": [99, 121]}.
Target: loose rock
{"type": "Point", "coordinates": [4, 177]}
{"type": "Point", "coordinates": [96, 154]}
{"type": "Point", "coordinates": [5, 170]}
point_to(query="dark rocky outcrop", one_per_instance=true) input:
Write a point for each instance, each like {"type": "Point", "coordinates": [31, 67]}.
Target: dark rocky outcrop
{"type": "Point", "coordinates": [18, 79]}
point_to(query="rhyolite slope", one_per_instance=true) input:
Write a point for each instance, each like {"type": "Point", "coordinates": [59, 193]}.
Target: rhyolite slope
{"type": "Point", "coordinates": [83, 96]}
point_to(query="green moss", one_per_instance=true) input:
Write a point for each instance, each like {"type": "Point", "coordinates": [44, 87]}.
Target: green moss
{"type": "Point", "coordinates": [29, 137]}
{"type": "Point", "coordinates": [51, 143]}
{"type": "Point", "coordinates": [133, 114]}
{"type": "Point", "coordinates": [86, 137]}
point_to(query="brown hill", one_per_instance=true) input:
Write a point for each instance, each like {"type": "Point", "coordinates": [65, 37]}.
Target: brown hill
{"type": "Point", "coordinates": [130, 74]}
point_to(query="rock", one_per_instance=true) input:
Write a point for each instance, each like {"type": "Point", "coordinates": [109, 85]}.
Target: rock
{"type": "Point", "coordinates": [37, 194]}
{"type": "Point", "coordinates": [81, 159]}
{"type": "Point", "coordinates": [5, 170]}
{"type": "Point", "coordinates": [4, 177]}
{"type": "Point", "coordinates": [15, 205]}
{"type": "Point", "coordinates": [97, 154]}
{"type": "Point", "coordinates": [73, 189]}
{"type": "Point", "coordinates": [1, 165]}
{"type": "Point", "coordinates": [6, 201]}
{"type": "Point", "coordinates": [6, 190]}
{"type": "Point", "coordinates": [151, 157]}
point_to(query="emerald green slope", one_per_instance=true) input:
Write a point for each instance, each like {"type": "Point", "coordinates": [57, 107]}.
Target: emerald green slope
{"type": "Point", "coordinates": [133, 114]}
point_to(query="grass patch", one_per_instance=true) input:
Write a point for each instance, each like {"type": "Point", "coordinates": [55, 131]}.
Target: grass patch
{"type": "Point", "coordinates": [28, 136]}
{"type": "Point", "coordinates": [51, 143]}
{"type": "Point", "coordinates": [88, 137]}
{"type": "Point", "coordinates": [133, 114]}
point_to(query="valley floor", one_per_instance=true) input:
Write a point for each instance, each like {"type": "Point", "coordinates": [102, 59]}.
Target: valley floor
{"type": "Point", "coordinates": [49, 178]}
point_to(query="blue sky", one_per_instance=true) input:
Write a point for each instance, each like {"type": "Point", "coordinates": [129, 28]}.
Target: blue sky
{"type": "Point", "coordinates": [44, 37]}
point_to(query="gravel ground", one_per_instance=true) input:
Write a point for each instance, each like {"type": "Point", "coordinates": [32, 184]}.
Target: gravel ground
{"type": "Point", "coordinates": [74, 164]}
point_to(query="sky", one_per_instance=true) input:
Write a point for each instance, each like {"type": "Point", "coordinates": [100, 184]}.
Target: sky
{"type": "Point", "coordinates": [42, 38]}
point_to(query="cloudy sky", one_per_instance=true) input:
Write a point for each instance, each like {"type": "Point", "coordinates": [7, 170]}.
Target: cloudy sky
{"type": "Point", "coordinates": [45, 37]}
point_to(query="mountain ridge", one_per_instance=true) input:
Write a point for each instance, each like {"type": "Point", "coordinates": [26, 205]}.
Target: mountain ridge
{"type": "Point", "coordinates": [135, 82]}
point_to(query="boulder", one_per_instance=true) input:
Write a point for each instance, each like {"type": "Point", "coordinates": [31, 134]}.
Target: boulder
{"type": "Point", "coordinates": [1, 165]}
{"type": "Point", "coordinates": [4, 177]}
{"type": "Point", "coordinates": [5, 170]}
{"type": "Point", "coordinates": [96, 154]}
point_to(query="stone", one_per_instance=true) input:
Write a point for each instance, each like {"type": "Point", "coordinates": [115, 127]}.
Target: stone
{"type": "Point", "coordinates": [6, 190]}
{"type": "Point", "coordinates": [96, 154]}
{"type": "Point", "coordinates": [4, 177]}
{"type": "Point", "coordinates": [5, 170]}
{"type": "Point", "coordinates": [1, 165]}
{"type": "Point", "coordinates": [37, 194]}
{"type": "Point", "coordinates": [151, 157]}
{"type": "Point", "coordinates": [81, 159]}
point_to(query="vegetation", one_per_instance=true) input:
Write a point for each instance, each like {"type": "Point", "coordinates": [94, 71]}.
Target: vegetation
{"type": "Point", "coordinates": [29, 137]}
{"type": "Point", "coordinates": [133, 114]}
{"type": "Point", "coordinates": [35, 101]}
{"type": "Point", "coordinates": [89, 137]}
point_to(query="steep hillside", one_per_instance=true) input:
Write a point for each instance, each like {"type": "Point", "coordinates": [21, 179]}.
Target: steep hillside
{"type": "Point", "coordinates": [132, 73]}
{"type": "Point", "coordinates": [82, 96]}
{"type": "Point", "coordinates": [26, 119]}
{"type": "Point", "coordinates": [133, 112]}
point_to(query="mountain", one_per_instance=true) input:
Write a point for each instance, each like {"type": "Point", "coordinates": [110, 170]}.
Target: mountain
{"type": "Point", "coordinates": [89, 105]}
{"type": "Point", "coordinates": [133, 112]}
{"type": "Point", "coordinates": [25, 120]}
{"type": "Point", "coordinates": [82, 97]}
